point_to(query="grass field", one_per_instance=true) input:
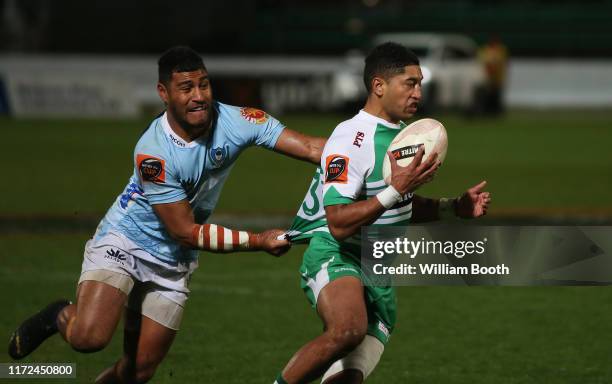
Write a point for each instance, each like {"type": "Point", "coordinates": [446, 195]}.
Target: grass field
{"type": "Point", "coordinates": [247, 314]}
{"type": "Point", "coordinates": [532, 160]}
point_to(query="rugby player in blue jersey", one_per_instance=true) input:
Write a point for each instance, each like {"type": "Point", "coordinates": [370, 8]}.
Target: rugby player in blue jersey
{"type": "Point", "coordinates": [145, 248]}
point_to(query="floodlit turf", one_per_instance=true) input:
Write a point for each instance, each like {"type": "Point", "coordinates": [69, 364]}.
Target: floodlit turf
{"type": "Point", "coordinates": [532, 160]}
{"type": "Point", "coordinates": [247, 315]}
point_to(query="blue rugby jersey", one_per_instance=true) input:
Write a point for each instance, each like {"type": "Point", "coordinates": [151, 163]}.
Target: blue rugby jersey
{"type": "Point", "coordinates": [168, 169]}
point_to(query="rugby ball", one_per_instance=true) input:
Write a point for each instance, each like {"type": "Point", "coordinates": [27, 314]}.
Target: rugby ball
{"type": "Point", "coordinates": [427, 132]}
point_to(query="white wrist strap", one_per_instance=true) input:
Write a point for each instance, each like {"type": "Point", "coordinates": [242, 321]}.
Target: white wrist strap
{"type": "Point", "coordinates": [446, 208]}
{"type": "Point", "coordinates": [388, 197]}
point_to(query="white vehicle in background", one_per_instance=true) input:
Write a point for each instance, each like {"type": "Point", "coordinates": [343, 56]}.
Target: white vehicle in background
{"type": "Point", "coordinates": [453, 77]}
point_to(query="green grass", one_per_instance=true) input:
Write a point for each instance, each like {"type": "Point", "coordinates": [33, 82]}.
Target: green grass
{"type": "Point", "coordinates": [247, 315]}
{"type": "Point", "coordinates": [532, 160]}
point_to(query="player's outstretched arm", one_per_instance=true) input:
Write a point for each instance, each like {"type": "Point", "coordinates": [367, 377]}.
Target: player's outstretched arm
{"type": "Point", "coordinates": [471, 204]}
{"type": "Point", "coordinates": [300, 146]}
{"type": "Point", "coordinates": [179, 221]}
{"type": "Point", "coordinates": [344, 220]}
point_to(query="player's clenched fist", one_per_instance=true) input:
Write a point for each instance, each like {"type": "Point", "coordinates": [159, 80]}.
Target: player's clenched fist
{"type": "Point", "coordinates": [269, 241]}
{"type": "Point", "coordinates": [409, 178]}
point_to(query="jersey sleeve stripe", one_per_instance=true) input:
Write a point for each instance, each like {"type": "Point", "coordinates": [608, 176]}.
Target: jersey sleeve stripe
{"type": "Point", "coordinates": [235, 238]}
{"type": "Point", "coordinates": [206, 231]}
{"type": "Point", "coordinates": [376, 184]}
{"type": "Point", "coordinates": [243, 237]}
{"type": "Point", "coordinates": [213, 242]}
{"type": "Point", "coordinates": [227, 234]}
{"type": "Point", "coordinates": [395, 219]}
{"type": "Point", "coordinates": [220, 238]}
{"type": "Point", "coordinates": [396, 211]}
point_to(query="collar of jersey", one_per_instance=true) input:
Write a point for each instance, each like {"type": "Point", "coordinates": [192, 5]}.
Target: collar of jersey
{"type": "Point", "coordinates": [174, 138]}
{"type": "Point", "coordinates": [375, 119]}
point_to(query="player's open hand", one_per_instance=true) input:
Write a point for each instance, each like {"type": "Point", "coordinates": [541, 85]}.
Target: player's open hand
{"type": "Point", "coordinates": [409, 178]}
{"type": "Point", "coordinates": [474, 202]}
{"type": "Point", "coordinates": [269, 241]}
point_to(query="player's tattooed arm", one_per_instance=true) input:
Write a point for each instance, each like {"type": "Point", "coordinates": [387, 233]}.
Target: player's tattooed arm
{"type": "Point", "coordinates": [179, 222]}
{"type": "Point", "coordinates": [300, 146]}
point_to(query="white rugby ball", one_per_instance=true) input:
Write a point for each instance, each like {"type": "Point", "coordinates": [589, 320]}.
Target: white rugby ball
{"type": "Point", "coordinates": [428, 132]}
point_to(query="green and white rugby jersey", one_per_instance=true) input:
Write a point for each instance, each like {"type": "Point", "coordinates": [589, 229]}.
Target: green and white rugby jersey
{"type": "Point", "coordinates": [352, 160]}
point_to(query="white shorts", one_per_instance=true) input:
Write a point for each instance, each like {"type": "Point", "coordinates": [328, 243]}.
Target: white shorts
{"type": "Point", "coordinates": [156, 289]}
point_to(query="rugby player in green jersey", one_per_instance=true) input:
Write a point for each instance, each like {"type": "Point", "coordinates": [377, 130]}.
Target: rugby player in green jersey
{"type": "Point", "coordinates": [348, 192]}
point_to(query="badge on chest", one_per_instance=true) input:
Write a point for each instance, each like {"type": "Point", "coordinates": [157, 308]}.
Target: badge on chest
{"type": "Point", "coordinates": [218, 156]}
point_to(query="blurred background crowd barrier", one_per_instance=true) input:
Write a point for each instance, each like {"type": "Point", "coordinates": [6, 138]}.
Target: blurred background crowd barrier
{"type": "Point", "coordinates": [57, 58]}
{"type": "Point", "coordinates": [114, 86]}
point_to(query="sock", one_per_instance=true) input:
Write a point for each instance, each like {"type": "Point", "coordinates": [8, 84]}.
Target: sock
{"type": "Point", "coordinates": [279, 379]}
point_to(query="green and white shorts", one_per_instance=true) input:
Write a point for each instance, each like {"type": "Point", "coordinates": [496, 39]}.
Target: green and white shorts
{"type": "Point", "coordinates": [324, 261]}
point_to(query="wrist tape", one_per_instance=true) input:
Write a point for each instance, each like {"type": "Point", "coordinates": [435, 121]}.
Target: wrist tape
{"type": "Point", "coordinates": [217, 238]}
{"type": "Point", "coordinates": [388, 197]}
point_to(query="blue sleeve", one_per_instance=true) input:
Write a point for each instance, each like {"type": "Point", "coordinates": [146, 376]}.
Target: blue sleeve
{"type": "Point", "coordinates": [158, 177]}
{"type": "Point", "coordinates": [259, 128]}
{"type": "Point", "coordinates": [268, 134]}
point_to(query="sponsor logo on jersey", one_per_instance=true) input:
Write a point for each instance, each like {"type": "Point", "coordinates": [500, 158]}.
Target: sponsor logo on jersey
{"type": "Point", "coordinates": [345, 269]}
{"type": "Point", "coordinates": [336, 169]}
{"type": "Point", "coordinates": [383, 328]}
{"type": "Point", "coordinates": [151, 168]}
{"type": "Point", "coordinates": [116, 256]}
{"type": "Point", "coordinates": [177, 141]}
{"type": "Point", "coordinates": [406, 152]}
{"type": "Point", "coordinates": [358, 139]}
{"type": "Point", "coordinates": [254, 115]}
{"type": "Point", "coordinates": [218, 155]}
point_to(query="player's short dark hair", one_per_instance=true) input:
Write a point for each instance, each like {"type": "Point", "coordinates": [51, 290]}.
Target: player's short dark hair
{"type": "Point", "coordinates": [387, 60]}
{"type": "Point", "coordinates": [178, 59]}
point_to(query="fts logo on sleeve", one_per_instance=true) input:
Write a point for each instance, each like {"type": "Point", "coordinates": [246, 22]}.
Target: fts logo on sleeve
{"type": "Point", "coordinates": [336, 169]}
{"type": "Point", "coordinates": [254, 115]}
{"type": "Point", "coordinates": [151, 168]}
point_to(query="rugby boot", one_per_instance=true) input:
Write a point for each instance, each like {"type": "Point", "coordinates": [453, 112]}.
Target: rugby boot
{"type": "Point", "coordinates": [33, 331]}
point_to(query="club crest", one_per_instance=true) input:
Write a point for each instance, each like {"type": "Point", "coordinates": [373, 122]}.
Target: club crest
{"type": "Point", "coordinates": [218, 155]}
